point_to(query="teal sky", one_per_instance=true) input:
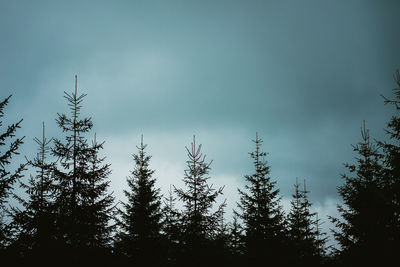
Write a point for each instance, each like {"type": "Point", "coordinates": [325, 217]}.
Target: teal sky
{"type": "Point", "coordinates": [303, 74]}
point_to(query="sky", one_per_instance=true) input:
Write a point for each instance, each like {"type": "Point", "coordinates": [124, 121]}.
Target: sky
{"type": "Point", "coordinates": [301, 74]}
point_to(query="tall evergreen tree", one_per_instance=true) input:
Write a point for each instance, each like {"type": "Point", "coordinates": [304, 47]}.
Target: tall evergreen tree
{"type": "Point", "coordinates": [262, 213]}
{"type": "Point", "coordinates": [199, 220]}
{"type": "Point", "coordinates": [306, 239]}
{"type": "Point", "coordinates": [141, 214]}
{"type": "Point", "coordinates": [34, 225]}
{"type": "Point", "coordinates": [362, 231]}
{"type": "Point", "coordinates": [391, 183]}
{"type": "Point", "coordinates": [9, 146]}
{"type": "Point", "coordinates": [82, 202]}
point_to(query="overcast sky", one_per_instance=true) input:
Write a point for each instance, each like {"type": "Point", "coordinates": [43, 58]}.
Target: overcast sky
{"type": "Point", "coordinates": [303, 74]}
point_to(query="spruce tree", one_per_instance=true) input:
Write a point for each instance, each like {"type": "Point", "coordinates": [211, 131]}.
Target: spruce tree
{"type": "Point", "coordinates": [306, 240]}
{"type": "Point", "coordinates": [9, 145]}
{"type": "Point", "coordinates": [82, 201]}
{"type": "Point", "coordinates": [362, 231]}
{"type": "Point", "coordinates": [236, 237]}
{"type": "Point", "coordinates": [99, 203]}
{"type": "Point", "coordinates": [262, 213]}
{"type": "Point", "coordinates": [171, 229]}
{"type": "Point", "coordinates": [199, 220]}
{"type": "Point", "coordinates": [220, 253]}
{"type": "Point", "coordinates": [34, 224]}
{"type": "Point", "coordinates": [140, 222]}
{"type": "Point", "coordinates": [391, 152]}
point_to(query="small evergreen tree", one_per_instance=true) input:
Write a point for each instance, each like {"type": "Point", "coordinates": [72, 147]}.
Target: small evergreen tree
{"type": "Point", "coordinates": [236, 242]}
{"type": "Point", "coordinates": [362, 229]}
{"type": "Point", "coordinates": [34, 225]}
{"type": "Point", "coordinates": [140, 221]}
{"type": "Point", "coordinates": [262, 213]}
{"type": "Point", "coordinates": [99, 204]}
{"type": "Point", "coordinates": [220, 253]}
{"type": "Point", "coordinates": [236, 237]}
{"type": "Point", "coordinates": [9, 146]}
{"type": "Point", "coordinates": [171, 229]}
{"type": "Point", "coordinates": [199, 221]}
{"type": "Point", "coordinates": [305, 238]}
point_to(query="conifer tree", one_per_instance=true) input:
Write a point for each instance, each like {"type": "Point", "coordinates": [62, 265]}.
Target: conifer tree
{"type": "Point", "coordinates": [305, 238]}
{"type": "Point", "coordinates": [140, 221]}
{"type": "Point", "coordinates": [235, 242]}
{"type": "Point", "coordinates": [391, 151]}
{"type": "Point", "coordinates": [199, 220]}
{"type": "Point", "coordinates": [362, 231]}
{"type": "Point", "coordinates": [82, 202]}
{"type": "Point", "coordinates": [99, 204]}
{"type": "Point", "coordinates": [220, 253]}
{"type": "Point", "coordinates": [34, 225]}
{"type": "Point", "coordinates": [262, 213]}
{"type": "Point", "coordinates": [171, 229]}
{"type": "Point", "coordinates": [236, 236]}
{"type": "Point", "coordinates": [320, 240]}
{"type": "Point", "coordinates": [9, 145]}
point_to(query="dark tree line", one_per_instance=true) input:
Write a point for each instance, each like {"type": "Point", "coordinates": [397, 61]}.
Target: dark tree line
{"type": "Point", "coordinates": [66, 214]}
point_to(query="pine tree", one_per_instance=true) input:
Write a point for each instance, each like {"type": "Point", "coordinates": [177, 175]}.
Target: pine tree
{"type": "Point", "coordinates": [220, 252]}
{"type": "Point", "coordinates": [262, 213]}
{"type": "Point", "coordinates": [362, 231]}
{"type": "Point", "coordinates": [141, 215]}
{"type": "Point", "coordinates": [171, 229]}
{"type": "Point", "coordinates": [199, 221]}
{"type": "Point", "coordinates": [34, 225]}
{"type": "Point", "coordinates": [9, 146]}
{"type": "Point", "coordinates": [306, 240]}
{"type": "Point", "coordinates": [82, 202]}
{"type": "Point", "coordinates": [320, 240]}
{"type": "Point", "coordinates": [99, 203]}
{"type": "Point", "coordinates": [236, 236]}
{"type": "Point", "coordinates": [235, 242]}
{"type": "Point", "coordinates": [391, 182]}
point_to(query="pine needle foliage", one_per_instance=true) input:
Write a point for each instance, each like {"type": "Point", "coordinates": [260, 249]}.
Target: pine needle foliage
{"type": "Point", "coordinates": [9, 146]}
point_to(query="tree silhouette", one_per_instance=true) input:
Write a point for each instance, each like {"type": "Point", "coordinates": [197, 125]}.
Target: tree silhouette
{"type": "Point", "coordinates": [99, 204]}
{"type": "Point", "coordinates": [363, 234]}
{"type": "Point", "coordinates": [34, 225]}
{"type": "Point", "coordinates": [306, 240]}
{"type": "Point", "coordinates": [171, 229]}
{"type": "Point", "coordinates": [236, 237]}
{"type": "Point", "coordinates": [82, 202]}
{"type": "Point", "coordinates": [391, 182]}
{"type": "Point", "coordinates": [262, 213]}
{"type": "Point", "coordinates": [199, 221]}
{"type": "Point", "coordinates": [9, 146]}
{"type": "Point", "coordinates": [140, 222]}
